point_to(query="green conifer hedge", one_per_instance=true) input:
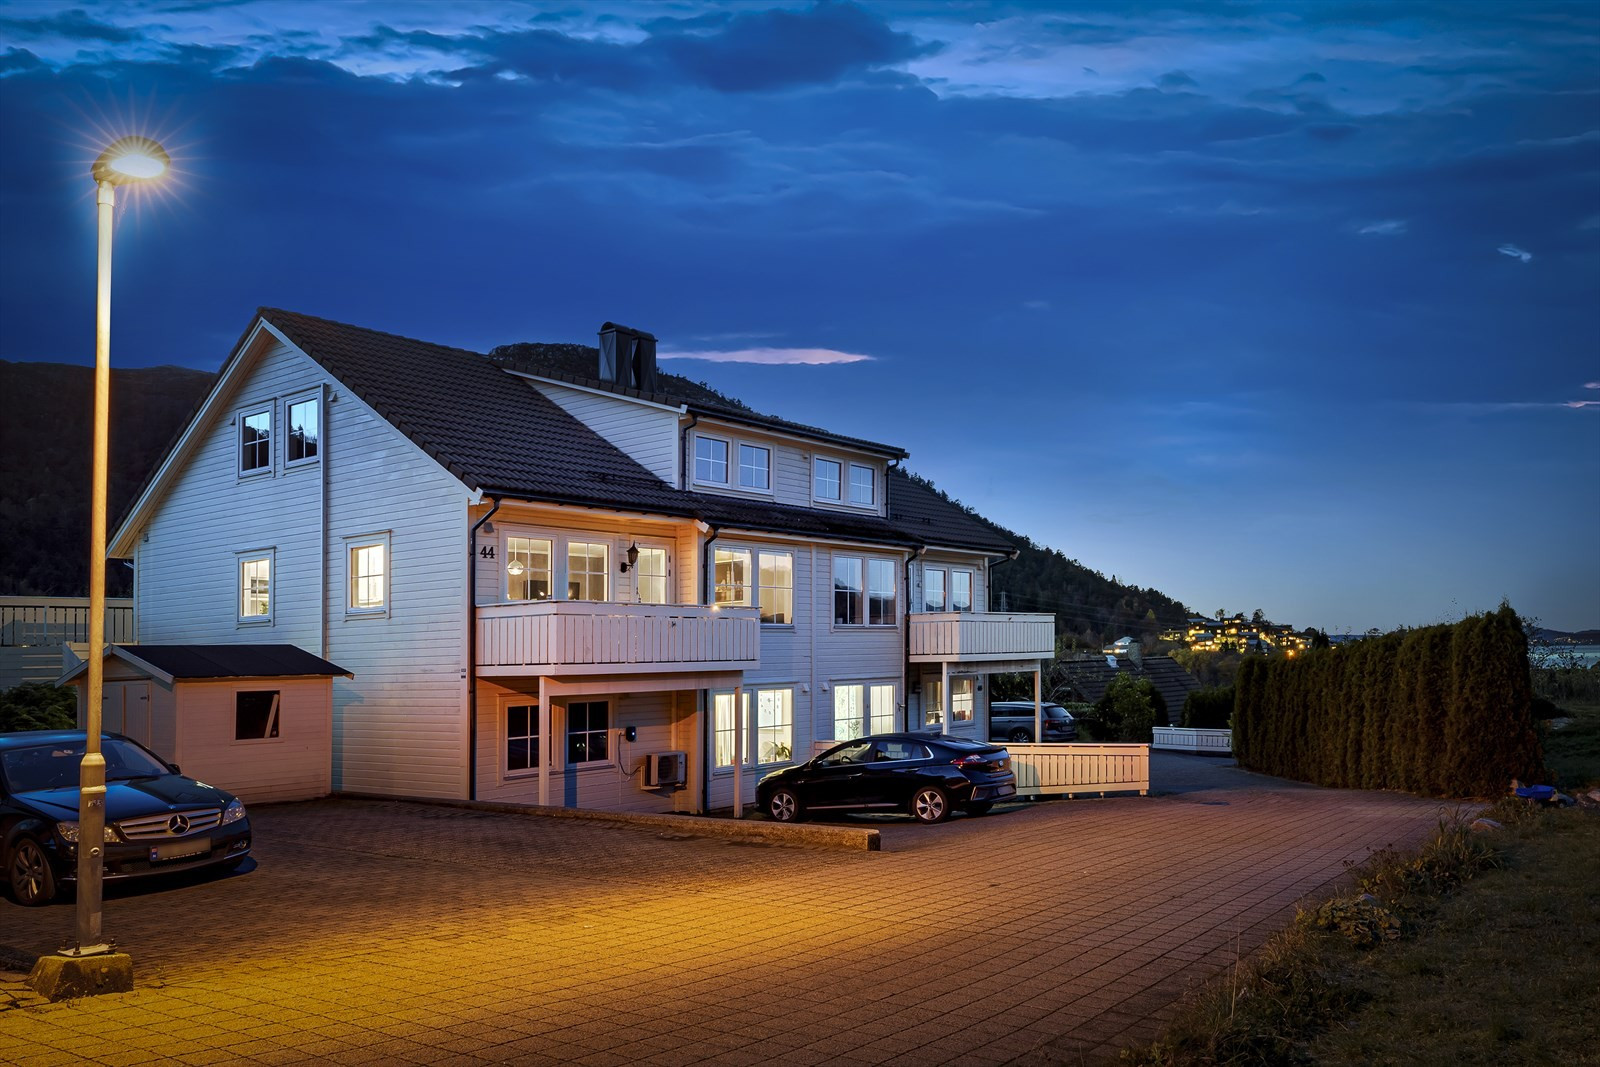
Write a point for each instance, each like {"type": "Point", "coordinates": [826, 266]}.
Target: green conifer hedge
{"type": "Point", "coordinates": [1444, 711]}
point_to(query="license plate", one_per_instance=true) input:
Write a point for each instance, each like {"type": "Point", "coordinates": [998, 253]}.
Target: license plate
{"type": "Point", "coordinates": [1004, 790]}
{"type": "Point", "coordinates": [178, 850]}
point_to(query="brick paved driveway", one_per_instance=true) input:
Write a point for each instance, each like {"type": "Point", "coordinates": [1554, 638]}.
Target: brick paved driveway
{"type": "Point", "coordinates": [378, 932]}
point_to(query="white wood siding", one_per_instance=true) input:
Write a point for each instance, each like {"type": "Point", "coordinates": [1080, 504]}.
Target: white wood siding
{"type": "Point", "coordinates": [292, 766]}
{"type": "Point", "coordinates": [401, 721]}
{"type": "Point", "coordinates": [646, 433]}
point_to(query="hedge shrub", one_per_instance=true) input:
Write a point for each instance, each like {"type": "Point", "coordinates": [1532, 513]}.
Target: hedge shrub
{"type": "Point", "coordinates": [1209, 709]}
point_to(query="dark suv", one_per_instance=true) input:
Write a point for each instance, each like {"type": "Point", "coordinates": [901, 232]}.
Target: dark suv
{"type": "Point", "coordinates": [1012, 720]}
{"type": "Point", "coordinates": [157, 820]}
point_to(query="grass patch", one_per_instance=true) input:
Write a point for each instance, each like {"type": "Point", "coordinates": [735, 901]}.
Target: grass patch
{"type": "Point", "coordinates": [1572, 750]}
{"type": "Point", "coordinates": [1475, 949]}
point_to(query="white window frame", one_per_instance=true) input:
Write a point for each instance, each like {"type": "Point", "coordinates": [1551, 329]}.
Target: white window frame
{"type": "Point", "coordinates": [728, 460]}
{"type": "Point", "coordinates": [352, 545]}
{"type": "Point", "coordinates": [963, 707]}
{"type": "Point", "coordinates": [603, 573]}
{"type": "Point", "coordinates": [872, 486]}
{"type": "Point", "coordinates": [876, 703]}
{"type": "Point", "coordinates": [240, 560]}
{"type": "Point", "coordinates": [767, 602]}
{"type": "Point", "coordinates": [640, 573]}
{"type": "Point", "coordinates": [877, 566]}
{"type": "Point", "coordinates": [971, 588]}
{"type": "Point", "coordinates": [238, 446]}
{"type": "Point", "coordinates": [859, 590]}
{"type": "Point", "coordinates": [507, 773]}
{"type": "Point", "coordinates": [507, 577]}
{"type": "Point", "coordinates": [724, 730]}
{"type": "Point", "coordinates": [315, 400]}
{"type": "Point", "coordinates": [816, 482]}
{"type": "Point", "coordinates": [733, 555]}
{"type": "Point", "coordinates": [783, 724]}
{"type": "Point", "coordinates": [766, 450]}
{"type": "Point", "coordinates": [944, 589]}
{"type": "Point", "coordinates": [864, 565]}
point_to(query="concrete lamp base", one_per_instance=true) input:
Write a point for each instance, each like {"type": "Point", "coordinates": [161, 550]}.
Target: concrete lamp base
{"type": "Point", "coordinates": [64, 977]}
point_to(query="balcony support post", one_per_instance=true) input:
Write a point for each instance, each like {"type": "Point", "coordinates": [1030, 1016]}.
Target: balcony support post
{"type": "Point", "coordinates": [944, 696]}
{"type": "Point", "coordinates": [546, 743]}
{"type": "Point", "coordinates": [738, 751]}
{"type": "Point", "coordinates": [1038, 708]}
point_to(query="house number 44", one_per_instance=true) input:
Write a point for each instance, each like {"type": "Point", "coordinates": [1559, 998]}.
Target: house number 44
{"type": "Point", "coordinates": [487, 552]}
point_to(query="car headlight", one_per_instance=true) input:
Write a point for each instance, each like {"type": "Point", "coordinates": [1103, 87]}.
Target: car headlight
{"type": "Point", "coordinates": [69, 832]}
{"type": "Point", "coordinates": [234, 812]}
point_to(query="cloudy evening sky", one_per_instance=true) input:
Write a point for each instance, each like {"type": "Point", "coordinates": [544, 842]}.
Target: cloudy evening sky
{"type": "Point", "coordinates": [1291, 306]}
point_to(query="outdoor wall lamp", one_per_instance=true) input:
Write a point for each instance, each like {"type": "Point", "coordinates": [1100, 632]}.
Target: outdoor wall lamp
{"type": "Point", "coordinates": [633, 558]}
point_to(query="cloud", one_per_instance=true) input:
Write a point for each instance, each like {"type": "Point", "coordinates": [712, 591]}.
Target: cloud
{"type": "Point", "coordinates": [1590, 223]}
{"type": "Point", "coordinates": [1515, 253]}
{"type": "Point", "coordinates": [1383, 228]}
{"type": "Point", "coordinates": [1591, 385]}
{"type": "Point", "coordinates": [73, 25]}
{"type": "Point", "coordinates": [771, 356]}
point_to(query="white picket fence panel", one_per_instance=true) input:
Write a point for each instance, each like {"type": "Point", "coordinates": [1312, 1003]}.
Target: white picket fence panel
{"type": "Point", "coordinates": [1072, 768]}
{"type": "Point", "coordinates": [1188, 739]}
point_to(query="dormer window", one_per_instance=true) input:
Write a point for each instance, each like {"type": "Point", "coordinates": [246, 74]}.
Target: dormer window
{"type": "Point", "coordinates": [755, 467]}
{"type": "Point", "coordinates": [827, 474]}
{"type": "Point", "coordinates": [711, 460]}
{"type": "Point", "coordinates": [863, 485]}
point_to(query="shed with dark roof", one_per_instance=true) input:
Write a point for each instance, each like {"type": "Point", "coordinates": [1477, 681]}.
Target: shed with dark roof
{"type": "Point", "coordinates": [256, 720]}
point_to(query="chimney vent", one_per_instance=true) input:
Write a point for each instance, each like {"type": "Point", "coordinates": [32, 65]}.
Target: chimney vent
{"type": "Point", "coordinates": [627, 357]}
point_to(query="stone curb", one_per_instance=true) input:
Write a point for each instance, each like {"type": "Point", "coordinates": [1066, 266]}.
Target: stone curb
{"type": "Point", "coordinates": [849, 838]}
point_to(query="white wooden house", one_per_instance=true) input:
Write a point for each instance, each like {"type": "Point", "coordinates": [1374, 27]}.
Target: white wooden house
{"type": "Point", "coordinates": [558, 575]}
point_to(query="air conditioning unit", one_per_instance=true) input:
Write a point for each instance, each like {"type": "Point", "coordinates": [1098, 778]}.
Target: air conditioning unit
{"type": "Point", "coordinates": [662, 769]}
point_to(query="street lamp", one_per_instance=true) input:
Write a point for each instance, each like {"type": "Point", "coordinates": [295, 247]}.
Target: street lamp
{"type": "Point", "coordinates": [127, 161]}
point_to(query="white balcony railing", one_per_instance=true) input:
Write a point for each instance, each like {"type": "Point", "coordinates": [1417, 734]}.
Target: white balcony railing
{"type": "Point", "coordinates": [975, 636]}
{"type": "Point", "coordinates": [560, 637]}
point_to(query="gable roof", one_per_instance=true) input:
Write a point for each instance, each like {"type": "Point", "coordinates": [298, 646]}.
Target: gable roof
{"type": "Point", "coordinates": [499, 435]}
{"type": "Point", "coordinates": [171, 662]}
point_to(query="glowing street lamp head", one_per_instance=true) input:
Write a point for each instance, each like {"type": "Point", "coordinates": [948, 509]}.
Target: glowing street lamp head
{"type": "Point", "coordinates": [131, 159]}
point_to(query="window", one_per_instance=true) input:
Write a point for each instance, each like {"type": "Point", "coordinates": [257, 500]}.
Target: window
{"type": "Point", "coordinates": [933, 598]}
{"type": "Point", "coordinates": [650, 575]}
{"type": "Point", "coordinates": [862, 709]}
{"type": "Point", "coordinates": [775, 725]}
{"type": "Point", "coordinates": [862, 485]}
{"type": "Point", "coordinates": [776, 586]}
{"type": "Point", "coordinates": [255, 715]}
{"type": "Point", "coordinates": [710, 460]}
{"type": "Point", "coordinates": [961, 699]}
{"type": "Point", "coordinates": [960, 590]}
{"type": "Point", "coordinates": [880, 592]}
{"type": "Point", "coordinates": [848, 719]}
{"type": "Point", "coordinates": [587, 731]}
{"type": "Point", "coordinates": [846, 591]}
{"type": "Point", "coordinates": [755, 467]}
{"type": "Point", "coordinates": [255, 587]}
{"type": "Point", "coordinates": [522, 738]}
{"type": "Point", "coordinates": [723, 727]}
{"type": "Point", "coordinates": [255, 442]}
{"type": "Point", "coordinates": [586, 570]}
{"type": "Point", "coordinates": [527, 568]}
{"type": "Point", "coordinates": [304, 440]}
{"type": "Point", "coordinates": [880, 706]}
{"type": "Point", "coordinates": [933, 702]}
{"type": "Point", "coordinates": [369, 575]}
{"type": "Point", "coordinates": [732, 576]}
{"type": "Point", "coordinates": [826, 474]}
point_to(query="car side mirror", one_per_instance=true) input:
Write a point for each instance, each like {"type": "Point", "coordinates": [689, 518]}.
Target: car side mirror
{"type": "Point", "coordinates": [174, 768]}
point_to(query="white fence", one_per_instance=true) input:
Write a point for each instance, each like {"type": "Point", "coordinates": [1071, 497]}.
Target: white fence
{"type": "Point", "coordinates": [1073, 769]}
{"type": "Point", "coordinates": [1184, 739]}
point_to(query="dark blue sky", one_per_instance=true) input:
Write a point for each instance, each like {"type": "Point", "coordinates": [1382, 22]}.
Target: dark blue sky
{"type": "Point", "coordinates": [1265, 305]}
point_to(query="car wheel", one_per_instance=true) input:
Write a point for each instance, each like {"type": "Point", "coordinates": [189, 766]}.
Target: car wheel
{"type": "Point", "coordinates": [979, 807]}
{"type": "Point", "coordinates": [784, 806]}
{"type": "Point", "coordinates": [1020, 734]}
{"type": "Point", "coordinates": [33, 883]}
{"type": "Point", "coordinates": [930, 805]}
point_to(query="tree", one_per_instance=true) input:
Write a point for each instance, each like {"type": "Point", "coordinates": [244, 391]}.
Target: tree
{"type": "Point", "coordinates": [1258, 618]}
{"type": "Point", "coordinates": [1129, 710]}
{"type": "Point", "coordinates": [38, 706]}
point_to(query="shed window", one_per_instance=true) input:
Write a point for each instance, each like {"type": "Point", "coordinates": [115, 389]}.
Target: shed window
{"type": "Point", "coordinates": [255, 715]}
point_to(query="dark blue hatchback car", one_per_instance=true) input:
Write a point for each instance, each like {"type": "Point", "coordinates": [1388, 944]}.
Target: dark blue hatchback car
{"type": "Point", "coordinates": [157, 820]}
{"type": "Point", "coordinates": [924, 775]}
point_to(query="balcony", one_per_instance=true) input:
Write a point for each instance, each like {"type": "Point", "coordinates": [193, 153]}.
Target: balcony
{"type": "Point", "coordinates": [569, 637]}
{"type": "Point", "coordinates": [981, 636]}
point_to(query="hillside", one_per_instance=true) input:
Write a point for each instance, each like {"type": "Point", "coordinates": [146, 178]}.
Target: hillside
{"type": "Point", "coordinates": [45, 440]}
{"type": "Point", "coordinates": [44, 502]}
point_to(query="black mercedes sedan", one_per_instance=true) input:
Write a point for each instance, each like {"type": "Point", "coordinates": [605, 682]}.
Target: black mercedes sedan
{"type": "Point", "coordinates": [157, 820]}
{"type": "Point", "coordinates": [924, 775]}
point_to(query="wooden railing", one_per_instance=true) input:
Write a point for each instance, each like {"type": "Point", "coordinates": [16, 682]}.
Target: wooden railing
{"type": "Point", "coordinates": [974, 636]}
{"type": "Point", "coordinates": [556, 637]}
{"type": "Point", "coordinates": [1188, 739]}
{"type": "Point", "coordinates": [60, 620]}
{"type": "Point", "coordinates": [1072, 769]}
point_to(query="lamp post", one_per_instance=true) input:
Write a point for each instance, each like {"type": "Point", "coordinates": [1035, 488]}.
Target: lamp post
{"type": "Point", "coordinates": [127, 161]}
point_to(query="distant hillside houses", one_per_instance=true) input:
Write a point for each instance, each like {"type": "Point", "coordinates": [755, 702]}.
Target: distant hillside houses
{"type": "Point", "coordinates": [1238, 633]}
